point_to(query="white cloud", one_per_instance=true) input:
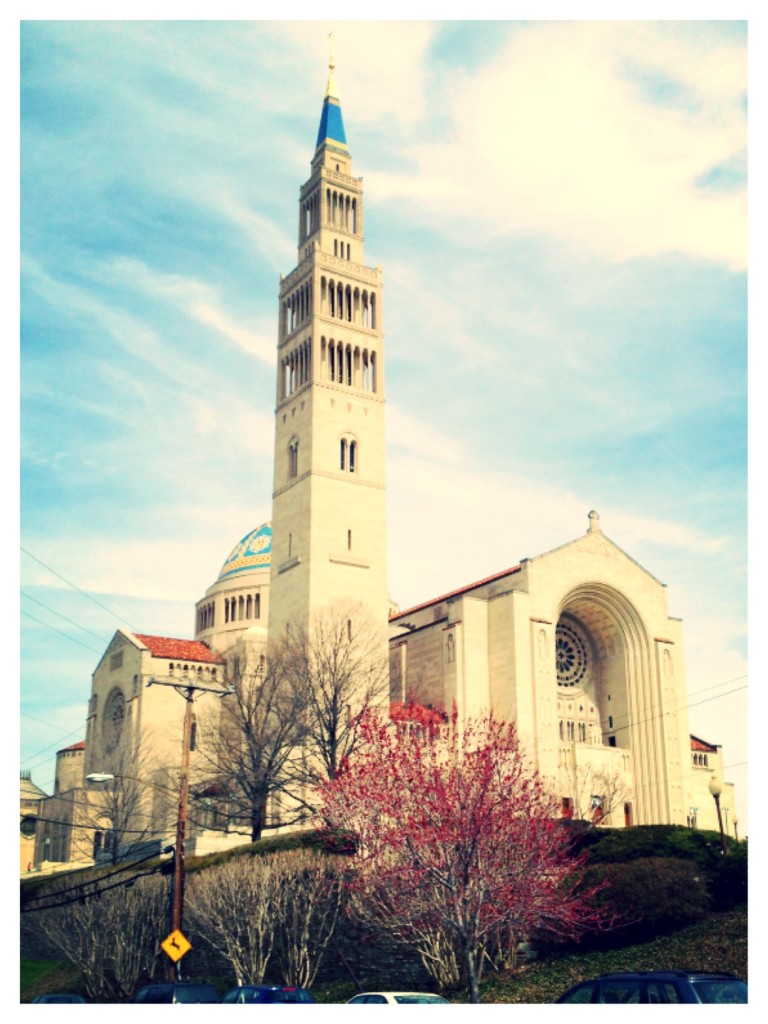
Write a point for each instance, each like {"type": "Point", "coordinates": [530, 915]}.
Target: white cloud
{"type": "Point", "coordinates": [451, 523]}
{"type": "Point", "coordinates": [552, 136]}
{"type": "Point", "coordinates": [419, 438]}
{"type": "Point", "coordinates": [367, 54]}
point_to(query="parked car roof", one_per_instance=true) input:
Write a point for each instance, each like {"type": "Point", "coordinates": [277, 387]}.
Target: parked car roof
{"type": "Point", "coordinates": [268, 994]}
{"type": "Point", "coordinates": [177, 992]}
{"type": "Point", "coordinates": [658, 987]}
{"type": "Point", "coordinates": [396, 997]}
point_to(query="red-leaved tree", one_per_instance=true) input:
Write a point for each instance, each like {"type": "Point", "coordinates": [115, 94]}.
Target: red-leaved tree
{"type": "Point", "coordinates": [458, 845]}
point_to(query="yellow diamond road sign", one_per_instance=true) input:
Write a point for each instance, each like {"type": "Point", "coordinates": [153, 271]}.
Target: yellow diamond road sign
{"type": "Point", "coordinates": [176, 945]}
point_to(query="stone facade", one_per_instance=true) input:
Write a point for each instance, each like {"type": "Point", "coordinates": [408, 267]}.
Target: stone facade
{"type": "Point", "coordinates": [329, 500]}
{"type": "Point", "coordinates": [577, 647]}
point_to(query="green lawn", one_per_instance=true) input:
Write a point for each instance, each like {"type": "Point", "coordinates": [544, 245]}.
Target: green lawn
{"type": "Point", "coordinates": [40, 976]}
{"type": "Point", "coordinates": [32, 970]}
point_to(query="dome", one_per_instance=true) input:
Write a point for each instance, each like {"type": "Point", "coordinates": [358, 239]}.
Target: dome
{"type": "Point", "coordinates": [253, 552]}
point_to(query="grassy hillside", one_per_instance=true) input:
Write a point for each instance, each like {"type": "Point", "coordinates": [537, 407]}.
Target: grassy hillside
{"type": "Point", "coordinates": [643, 867]}
{"type": "Point", "coordinates": [718, 943]}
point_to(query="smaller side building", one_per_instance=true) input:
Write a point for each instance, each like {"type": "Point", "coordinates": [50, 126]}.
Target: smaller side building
{"type": "Point", "coordinates": [69, 821]}
{"type": "Point", "coordinates": [30, 799]}
{"type": "Point", "coordinates": [707, 764]}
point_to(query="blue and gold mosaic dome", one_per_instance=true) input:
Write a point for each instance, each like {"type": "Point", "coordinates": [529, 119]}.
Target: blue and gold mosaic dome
{"type": "Point", "coordinates": [253, 552]}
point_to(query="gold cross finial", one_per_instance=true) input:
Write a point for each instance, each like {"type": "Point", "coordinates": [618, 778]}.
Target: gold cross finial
{"type": "Point", "coordinates": [331, 89]}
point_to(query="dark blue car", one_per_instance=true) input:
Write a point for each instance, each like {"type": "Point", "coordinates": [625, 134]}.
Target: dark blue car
{"type": "Point", "coordinates": [268, 994]}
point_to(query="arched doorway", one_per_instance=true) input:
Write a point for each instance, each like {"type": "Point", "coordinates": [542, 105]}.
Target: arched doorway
{"type": "Point", "coordinates": [604, 680]}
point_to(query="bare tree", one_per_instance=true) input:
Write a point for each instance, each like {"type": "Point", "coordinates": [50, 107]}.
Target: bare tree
{"type": "Point", "coordinates": [232, 906]}
{"type": "Point", "coordinates": [307, 911]}
{"type": "Point", "coordinates": [245, 750]}
{"type": "Point", "coordinates": [113, 939]}
{"type": "Point", "coordinates": [126, 809]}
{"type": "Point", "coordinates": [339, 665]}
{"type": "Point", "coordinates": [252, 908]}
{"type": "Point", "coordinates": [595, 792]}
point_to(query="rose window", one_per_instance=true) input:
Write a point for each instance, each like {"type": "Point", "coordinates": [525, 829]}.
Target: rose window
{"type": "Point", "coordinates": [114, 713]}
{"type": "Point", "coordinates": [570, 656]}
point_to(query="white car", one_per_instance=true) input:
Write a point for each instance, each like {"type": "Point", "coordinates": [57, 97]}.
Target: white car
{"type": "Point", "coordinates": [396, 997]}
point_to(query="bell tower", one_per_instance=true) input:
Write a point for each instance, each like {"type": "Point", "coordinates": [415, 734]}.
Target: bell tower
{"type": "Point", "coordinates": [329, 499]}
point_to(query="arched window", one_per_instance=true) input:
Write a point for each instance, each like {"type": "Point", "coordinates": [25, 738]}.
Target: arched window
{"type": "Point", "coordinates": [348, 455]}
{"type": "Point", "coordinates": [293, 458]}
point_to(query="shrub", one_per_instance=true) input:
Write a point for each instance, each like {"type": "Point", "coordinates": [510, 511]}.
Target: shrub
{"type": "Point", "coordinates": [728, 883]}
{"type": "Point", "coordinates": [651, 895]}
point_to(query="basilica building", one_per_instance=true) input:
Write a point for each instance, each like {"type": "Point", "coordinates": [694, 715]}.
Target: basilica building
{"type": "Point", "coordinates": [575, 645]}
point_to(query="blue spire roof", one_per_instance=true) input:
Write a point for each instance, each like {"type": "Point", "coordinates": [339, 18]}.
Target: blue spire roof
{"type": "Point", "coordinates": [331, 124]}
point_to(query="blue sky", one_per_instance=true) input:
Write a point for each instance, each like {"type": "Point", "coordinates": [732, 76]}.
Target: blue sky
{"type": "Point", "coordinates": [559, 209]}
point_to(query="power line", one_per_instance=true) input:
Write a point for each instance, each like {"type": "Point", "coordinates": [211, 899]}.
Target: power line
{"type": "Point", "coordinates": [82, 896]}
{"type": "Point", "coordinates": [70, 621]}
{"type": "Point", "coordinates": [714, 686]}
{"type": "Point", "coordinates": [120, 618]}
{"type": "Point", "coordinates": [92, 881]}
{"type": "Point", "coordinates": [687, 705]}
{"type": "Point", "coordinates": [55, 744]}
{"type": "Point", "coordinates": [97, 828]}
{"type": "Point", "coordinates": [68, 637]}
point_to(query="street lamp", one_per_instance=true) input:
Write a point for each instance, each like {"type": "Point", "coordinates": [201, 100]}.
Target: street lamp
{"type": "Point", "coordinates": [735, 828]}
{"type": "Point", "coordinates": [716, 788]}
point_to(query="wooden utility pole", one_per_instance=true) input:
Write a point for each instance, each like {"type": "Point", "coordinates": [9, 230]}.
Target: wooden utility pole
{"type": "Point", "coordinates": [187, 691]}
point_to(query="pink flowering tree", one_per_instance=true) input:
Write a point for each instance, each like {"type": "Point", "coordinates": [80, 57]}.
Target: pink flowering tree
{"type": "Point", "coordinates": [457, 843]}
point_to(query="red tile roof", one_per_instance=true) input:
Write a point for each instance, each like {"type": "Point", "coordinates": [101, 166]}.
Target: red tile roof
{"type": "Point", "coordinates": [179, 650]}
{"type": "Point", "coordinates": [412, 712]}
{"type": "Point", "coordinates": [697, 744]}
{"type": "Point", "coordinates": [80, 745]}
{"type": "Point", "coordinates": [455, 593]}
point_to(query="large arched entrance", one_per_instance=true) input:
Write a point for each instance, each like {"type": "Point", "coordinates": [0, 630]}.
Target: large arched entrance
{"type": "Point", "coordinates": [602, 669]}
